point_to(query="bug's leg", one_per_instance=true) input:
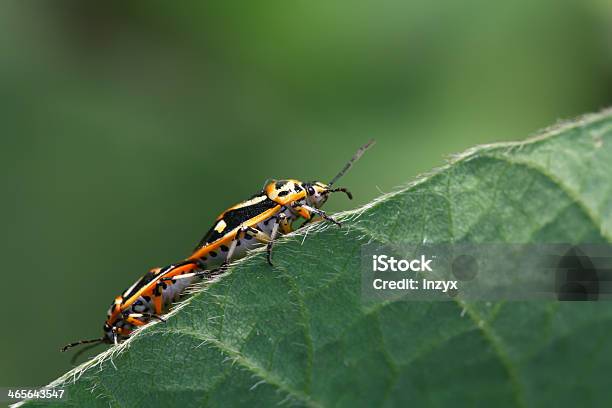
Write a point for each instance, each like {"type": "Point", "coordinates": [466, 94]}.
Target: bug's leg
{"type": "Point", "coordinates": [135, 317]}
{"type": "Point", "coordinates": [199, 270]}
{"type": "Point", "coordinates": [301, 211]}
{"type": "Point", "coordinates": [133, 320]}
{"type": "Point", "coordinates": [158, 299]}
{"type": "Point", "coordinates": [258, 235]}
{"type": "Point", "coordinates": [208, 273]}
{"type": "Point", "coordinates": [205, 274]}
{"type": "Point", "coordinates": [283, 221]}
{"type": "Point", "coordinates": [211, 273]}
{"type": "Point", "coordinates": [306, 222]}
{"type": "Point", "coordinates": [280, 221]}
{"type": "Point", "coordinates": [230, 252]}
{"type": "Point", "coordinates": [252, 232]}
{"type": "Point", "coordinates": [320, 213]}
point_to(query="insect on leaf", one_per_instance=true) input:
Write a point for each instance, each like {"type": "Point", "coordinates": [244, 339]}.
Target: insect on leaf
{"type": "Point", "coordinates": [299, 334]}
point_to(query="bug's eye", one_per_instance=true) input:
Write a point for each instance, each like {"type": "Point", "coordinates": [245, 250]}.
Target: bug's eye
{"type": "Point", "coordinates": [310, 190]}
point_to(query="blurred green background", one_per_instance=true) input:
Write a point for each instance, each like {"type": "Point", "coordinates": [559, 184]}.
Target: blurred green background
{"type": "Point", "coordinates": [127, 127]}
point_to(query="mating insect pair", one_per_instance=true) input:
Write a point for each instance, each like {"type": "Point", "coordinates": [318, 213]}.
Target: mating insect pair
{"type": "Point", "coordinates": [249, 224]}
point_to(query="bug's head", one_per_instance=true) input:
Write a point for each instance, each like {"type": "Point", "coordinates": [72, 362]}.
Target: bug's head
{"type": "Point", "coordinates": [116, 328]}
{"type": "Point", "coordinates": [111, 328]}
{"type": "Point", "coordinates": [109, 333]}
{"type": "Point", "coordinates": [318, 192]}
{"type": "Point", "coordinates": [117, 331]}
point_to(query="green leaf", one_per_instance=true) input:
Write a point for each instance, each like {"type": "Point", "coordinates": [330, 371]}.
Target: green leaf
{"type": "Point", "coordinates": [299, 333]}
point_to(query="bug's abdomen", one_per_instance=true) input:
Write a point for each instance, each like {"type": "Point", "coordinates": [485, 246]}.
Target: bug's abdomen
{"type": "Point", "coordinates": [173, 291]}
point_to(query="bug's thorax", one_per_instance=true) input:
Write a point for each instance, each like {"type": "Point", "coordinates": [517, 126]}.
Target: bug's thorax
{"type": "Point", "coordinates": [294, 192]}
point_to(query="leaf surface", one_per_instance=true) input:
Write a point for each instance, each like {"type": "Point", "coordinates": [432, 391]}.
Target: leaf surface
{"type": "Point", "coordinates": [299, 333]}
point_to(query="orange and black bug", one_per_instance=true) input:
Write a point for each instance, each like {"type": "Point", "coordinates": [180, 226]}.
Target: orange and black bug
{"type": "Point", "coordinates": [260, 219]}
{"type": "Point", "coordinates": [146, 300]}
{"type": "Point", "coordinates": [256, 221]}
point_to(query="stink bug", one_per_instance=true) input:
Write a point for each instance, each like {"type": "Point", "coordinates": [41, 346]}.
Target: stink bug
{"type": "Point", "coordinates": [266, 214]}
{"type": "Point", "coordinates": [146, 300]}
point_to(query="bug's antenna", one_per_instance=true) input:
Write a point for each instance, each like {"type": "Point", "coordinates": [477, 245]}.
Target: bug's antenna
{"type": "Point", "coordinates": [356, 157]}
{"type": "Point", "coordinates": [76, 343]}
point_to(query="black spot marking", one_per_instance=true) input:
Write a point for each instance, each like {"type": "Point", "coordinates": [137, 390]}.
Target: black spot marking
{"type": "Point", "coordinates": [238, 243]}
{"type": "Point", "coordinates": [224, 248]}
{"type": "Point", "coordinates": [279, 184]}
{"type": "Point", "coordinates": [147, 299]}
{"type": "Point", "coordinates": [213, 254]}
{"type": "Point", "coordinates": [283, 193]}
{"type": "Point", "coordinates": [298, 188]}
{"type": "Point", "coordinates": [266, 222]}
{"type": "Point", "coordinates": [248, 237]}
